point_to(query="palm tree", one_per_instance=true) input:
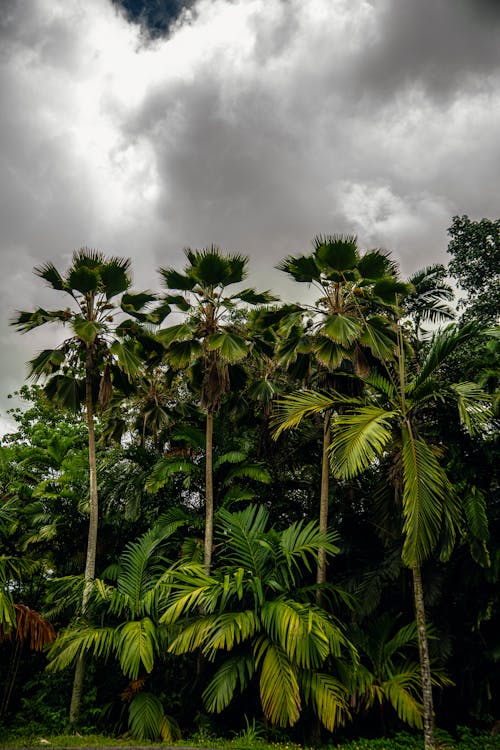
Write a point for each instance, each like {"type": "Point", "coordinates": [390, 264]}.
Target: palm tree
{"type": "Point", "coordinates": [95, 352]}
{"type": "Point", "coordinates": [429, 300]}
{"type": "Point", "coordinates": [346, 324]}
{"type": "Point", "coordinates": [129, 599]}
{"type": "Point", "coordinates": [393, 416]}
{"type": "Point", "coordinates": [387, 673]}
{"type": "Point", "coordinates": [208, 340]}
{"type": "Point", "coordinates": [255, 612]}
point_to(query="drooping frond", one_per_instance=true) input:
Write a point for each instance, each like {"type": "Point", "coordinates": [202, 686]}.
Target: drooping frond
{"type": "Point", "coordinates": [279, 689]}
{"type": "Point", "coordinates": [425, 490]}
{"type": "Point", "coordinates": [136, 646]}
{"type": "Point", "coordinates": [77, 641]}
{"type": "Point", "coordinates": [474, 406]}
{"type": "Point", "coordinates": [402, 690]}
{"type": "Point", "coordinates": [359, 438]}
{"type": "Point", "coordinates": [145, 716]}
{"type": "Point", "coordinates": [230, 679]}
{"type": "Point", "coordinates": [443, 343]}
{"type": "Point", "coordinates": [327, 696]}
{"type": "Point", "coordinates": [291, 410]}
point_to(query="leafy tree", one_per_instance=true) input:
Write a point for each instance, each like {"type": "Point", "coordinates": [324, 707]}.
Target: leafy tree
{"type": "Point", "coordinates": [208, 340]}
{"type": "Point", "coordinates": [94, 352]}
{"type": "Point", "coordinates": [475, 250]}
{"type": "Point", "coordinates": [255, 612]}
{"type": "Point", "coordinates": [395, 419]}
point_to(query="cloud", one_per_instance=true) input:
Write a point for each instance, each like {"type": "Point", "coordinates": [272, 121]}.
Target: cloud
{"type": "Point", "coordinates": [253, 124]}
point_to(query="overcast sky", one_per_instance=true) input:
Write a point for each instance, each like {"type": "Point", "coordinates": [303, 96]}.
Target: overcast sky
{"type": "Point", "coordinates": [254, 125]}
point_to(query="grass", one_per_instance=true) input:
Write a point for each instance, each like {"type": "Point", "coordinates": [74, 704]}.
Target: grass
{"type": "Point", "coordinates": [465, 740]}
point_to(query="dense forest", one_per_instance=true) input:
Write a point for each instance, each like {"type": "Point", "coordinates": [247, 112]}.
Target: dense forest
{"type": "Point", "coordinates": [220, 508]}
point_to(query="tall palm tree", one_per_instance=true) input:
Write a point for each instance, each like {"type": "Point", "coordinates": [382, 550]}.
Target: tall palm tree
{"type": "Point", "coordinates": [345, 325]}
{"type": "Point", "coordinates": [87, 362]}
{"type": "Point", "coordinates": [208, 340]}
{"type": "Point", "coordinates": [393, 416]}
{"type": "Point", "coordinates": [256, 618]}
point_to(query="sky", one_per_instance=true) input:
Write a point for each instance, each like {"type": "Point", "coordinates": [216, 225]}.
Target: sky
{"type": "Point", "coordinates": [250, 124]}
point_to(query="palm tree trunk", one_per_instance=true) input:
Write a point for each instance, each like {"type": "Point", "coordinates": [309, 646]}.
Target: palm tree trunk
{"type": "Point", "coordinates": [425, 667]}
{"type": "Point", "coordinates": [76, 695]}
{"type": "Point", "coordinates": [324, 496]}
{"type": "Point", "coordinates": [209, 492]}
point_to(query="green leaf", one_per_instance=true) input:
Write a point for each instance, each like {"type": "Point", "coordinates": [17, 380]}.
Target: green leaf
{"type": "Point", "coordinates": [251, 297]}
{"type": "Point", "coordinates": [302, 268]}
{"type": "Point", "coordinates": [128, 360]}
{"type": "Point", "coordinates": [182, 353]}
{"type": "Point", "coordinates": [425, 489]}
{"type": "Point", "coordinates": [179, 332]}
{"type": "Point", "coordinates": [231, 678]}
{"type": "Point", "coordinates": [343, 329]}
{"type": "Point", "coordinates": [114, 276]}
{"type": "Point", "coordinates": [163, 471]}
{"type": "Point", "coordinates": [46, 362]}
{"type": "Point", "coordinates": [27, 321]}
{"type": "Point", "coordinates": [292, 409]}
{"type": "Point", "coordinates": [375, 265]}
{"type": "Point", "coordinates": [359, 439]}
{"type": "Point", "coordinates": [175, 280]}
{"type": "Point", "coordinates": [329, 353]}
{"type": "Point", "coordinates": [389, 290]}
{"type": "Point", "coordinates": [51, 275]}
{"type": "Point", "coordinates": [279, 689]}
{"type": "Point", "coordinates": [337, 252]}
{"type": "Point", "coordinates": [136, 646]}
{"type": "Point", "coordinates": [328, 698]}
{"type": "Point", "coordinates": [230, 346]}
{"type": "Point", "coordinates": [134, 303]}
{"type": "Point", "coordinates": [145, 716]}
{"type": "Point", "coordinates": [379, 338]}
{"type": "Point", "coordinates": [262, 390]}
{"type": "Point", "coordinates": [86, 330]}
{"type": "Point", "coordinates": [84, 280]}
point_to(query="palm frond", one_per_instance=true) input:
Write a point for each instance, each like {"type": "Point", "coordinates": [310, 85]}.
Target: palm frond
{"type": "Point", "coordinates": [279, 689]}
{"type": "Point", "coordinates": [291, 410]}
{"type": "Point", "coordinates": [425, 488]}
{"type": "Point", "coordinates": [136, 646]}
{"type": "Point", "coordinates": [74, 642]}
{"type": "Point", "coordinates": [359, 439]}
{"type": "Point", "coordinates": [328, 698]}
{"type": "Point", "coordinates": [231, 678]}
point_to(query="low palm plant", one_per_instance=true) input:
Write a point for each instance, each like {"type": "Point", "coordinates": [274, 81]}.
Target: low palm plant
{"type": "Point", "coordinates": [258, 621]}
{"type": "Point", "coordinates": [128, 599]}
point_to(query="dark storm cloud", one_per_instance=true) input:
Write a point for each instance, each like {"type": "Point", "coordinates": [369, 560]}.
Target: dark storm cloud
{"type": "Point", "coordinates": [442, 45]}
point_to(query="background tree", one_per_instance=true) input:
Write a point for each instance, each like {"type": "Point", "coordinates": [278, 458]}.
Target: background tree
{"type": "Point", "coordinates": [475, 250]}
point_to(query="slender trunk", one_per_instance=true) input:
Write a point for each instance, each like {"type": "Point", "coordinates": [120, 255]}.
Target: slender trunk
{"type": "Point", "coordinates": [11, 677]}
{"type": "Point", "coordinates": [425, 667]}
{"type": "Point", "coordinates": [209, 492]}
{"type": "Point", "coordinates": [92, 535]}
{"type": "Point", "coordinates": [323, 501]}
